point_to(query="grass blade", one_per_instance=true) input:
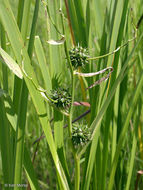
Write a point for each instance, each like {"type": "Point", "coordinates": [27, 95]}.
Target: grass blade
{"type": "Point", "coordinates": [20, 133]}
{"type": "Point", "coordinates": [12, 118]}
{"type": "Point", "coordinates": [18, 45]}
{"type": "Point", "coordinates": [4, 68]}
{"type": "Point", "coordinates": [124, 129]}
{"type": "Point", "coordinates": [42, 63]}
{"type": "Point", "coordinates": [96, 123]}
{"type": "Point", "coordinates": [6, 59]}
{"type": "Point", "coordinates": [5, 144]}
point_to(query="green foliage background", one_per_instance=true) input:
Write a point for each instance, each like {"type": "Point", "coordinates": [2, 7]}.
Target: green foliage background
{"type": "Point", "coordinates": [35, 138]}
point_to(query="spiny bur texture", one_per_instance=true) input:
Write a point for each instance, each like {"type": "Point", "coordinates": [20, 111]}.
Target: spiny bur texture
{"type": "Point", "coordinates": [78, 56]}
{"type": "Point", "coordinates": [61, 97]}
{"type": "Point", "coordinates": [80, 134]}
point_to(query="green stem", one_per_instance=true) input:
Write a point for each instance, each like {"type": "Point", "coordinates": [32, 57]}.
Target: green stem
{"type": "Point", "coordinates": [102, 56]}
{"type": "Point", "coordinates": [71, 107]}
{"type": "Point", "coordinates": [50, 18]}
{"type": "Point", "coordinates": [76, 158]}
{"type": "Point", "coordinates": [72, 80]}
{"type": "Point", "coordinates": [77, 172]}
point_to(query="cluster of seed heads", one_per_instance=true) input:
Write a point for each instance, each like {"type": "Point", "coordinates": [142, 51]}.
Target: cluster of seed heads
{"type": "Point", "coordinates": [78, 56]}
{"type": "Point", "coordinates": [80, 134]}
{"type": "Point", "coordinates": [61, 97]}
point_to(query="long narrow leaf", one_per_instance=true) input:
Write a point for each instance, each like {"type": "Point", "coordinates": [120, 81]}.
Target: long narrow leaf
{"type": "Point", "coordinates": [18, 45]}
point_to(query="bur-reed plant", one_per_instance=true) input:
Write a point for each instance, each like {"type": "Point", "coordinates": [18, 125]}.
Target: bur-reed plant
{"type": "Point", "coordinates": [49, 80]}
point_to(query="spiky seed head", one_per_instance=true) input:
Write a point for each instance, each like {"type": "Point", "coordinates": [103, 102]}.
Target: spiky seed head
{"type": "Point", "coordinates": [62, 98]}
{"type": "Point", "coordinates": [80, 134]}
{"type": "Point", "coordinates": [78, 56]}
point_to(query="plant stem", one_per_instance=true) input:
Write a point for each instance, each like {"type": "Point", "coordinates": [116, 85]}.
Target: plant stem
{"type": "Point", "coordinates": [76, 158]}
{"type": "Point", "coordinates": [82, 86]}
{"type": "Point", "coordinates": [77, 172]}
{"type": "Point", "coordinates": [71, 107]}
{"type": "Point", "coordinates": [102, 56]}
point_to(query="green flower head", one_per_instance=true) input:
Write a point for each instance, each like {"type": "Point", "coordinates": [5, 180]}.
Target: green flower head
{"type": "Point", "coordinates": [78, 56]}
{"type": "Point", "coordinates": [80, 134]}
{"type": "Point", "coordinates": [61, 97]}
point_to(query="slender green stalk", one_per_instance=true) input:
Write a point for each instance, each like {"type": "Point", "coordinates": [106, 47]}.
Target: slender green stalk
{"type": "Point", "coordinates": [116, 50]}
{"type": "Point", "coordinates": [76, 158]}
{"type": "Point", "coordinates": [72, 82]}
{"type": "Point", "coordinates": [53, 32]}
{"type": "Point", "coordinates": [52, 21]}
{"type": "Point", "coordinates": [77, 172]}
